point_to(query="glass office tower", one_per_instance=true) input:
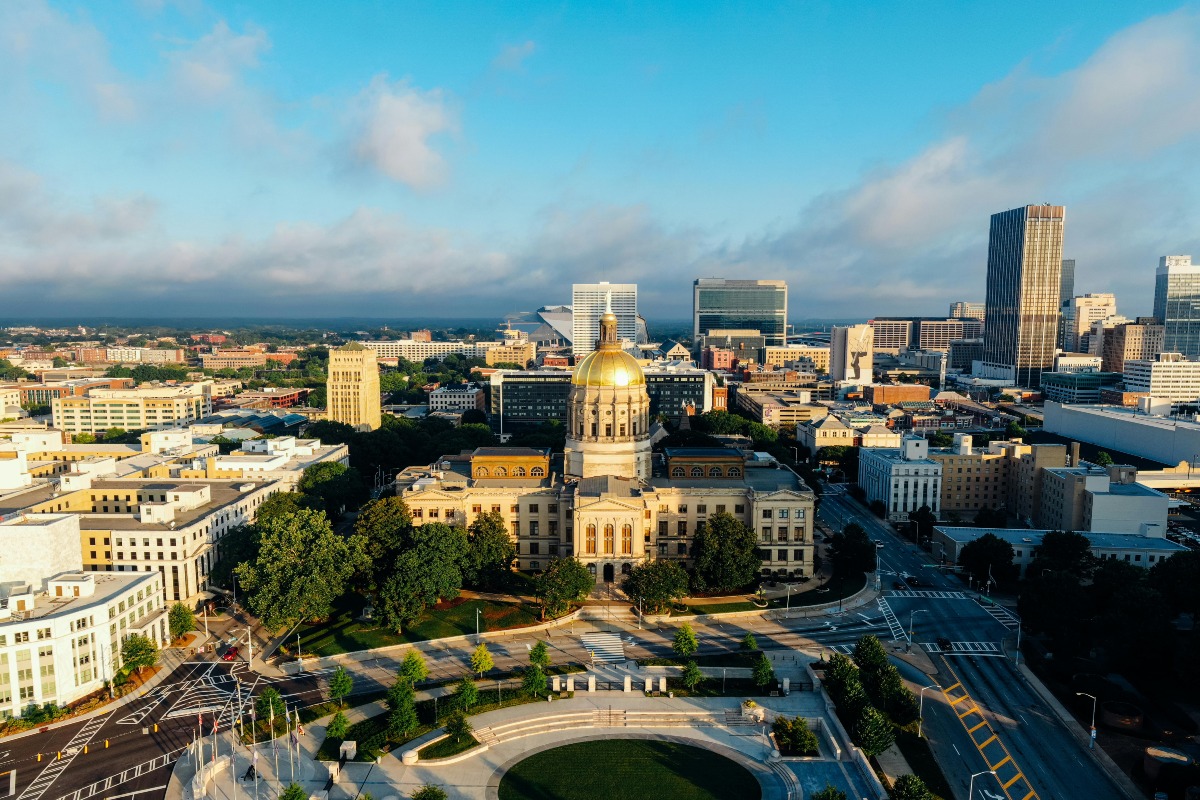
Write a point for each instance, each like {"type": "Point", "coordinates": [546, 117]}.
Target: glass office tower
{"type": "Point", "coordinates": [1177, 304]}
{"type": "Point", "coordinates": [720, 304]}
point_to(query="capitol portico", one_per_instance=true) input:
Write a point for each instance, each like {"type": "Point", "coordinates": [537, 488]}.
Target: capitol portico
{"type": "Point", "coordinates": [608, 500]}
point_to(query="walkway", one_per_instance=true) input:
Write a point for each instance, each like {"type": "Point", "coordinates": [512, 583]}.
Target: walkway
{"type": "Point", "coordinates": [513, 733]}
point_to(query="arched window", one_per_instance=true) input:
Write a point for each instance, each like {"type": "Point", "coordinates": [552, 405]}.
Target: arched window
{"type": "Point", "coordinates": [677, 472]}
{"type": "Point", "coordinates": [519, 472]}
{"type": "Point", "coordinates": [714, 472]}
{"type": "Point", "coordinates": [626, 568]}
{"type": "Point", "coordinates": [627, 539]}
{"type": "Point", "coordinates": [501, 472]}
{"type": "Point", "coordinates": [482, 472]}
{"type": "Point", "coordinates": [537, 472]}
{"type": "Point", "coordinates": [589, 542]}
{"type": "Point", "coordinates": [735, 472]}
{"type": "Point", "coordinates": [608, 539]}
{"type": "Point", "coordinates": [697, 472]}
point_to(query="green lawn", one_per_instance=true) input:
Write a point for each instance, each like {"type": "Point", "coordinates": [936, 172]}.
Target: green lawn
{"type": "Point", "coordinates": [720, 608]}
{"type": "Point", "coordinates": [628, 769]}
{"type": "Point", "coordinates": [343, 633]}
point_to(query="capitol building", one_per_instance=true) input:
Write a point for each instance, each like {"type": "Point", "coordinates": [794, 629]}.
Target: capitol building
{"type": "Point", "coordinates": [609, 500]}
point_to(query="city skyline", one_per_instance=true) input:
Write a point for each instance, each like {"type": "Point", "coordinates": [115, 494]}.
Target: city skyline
{"type": "Point", "coordinates": [213, 160]}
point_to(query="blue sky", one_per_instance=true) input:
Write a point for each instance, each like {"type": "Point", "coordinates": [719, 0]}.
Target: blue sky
{"type": "Point", "coordinates": [468, 159]}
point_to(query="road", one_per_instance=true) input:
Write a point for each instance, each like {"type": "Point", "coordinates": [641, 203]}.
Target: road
{"type": "Point", "coordinates": [997, 720]}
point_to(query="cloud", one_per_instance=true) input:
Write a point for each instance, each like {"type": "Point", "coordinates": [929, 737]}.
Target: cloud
{"type": "Point", "coordinates": [1119, 132]}
{"type": "Point", "coordinates": [513, 56]}
{"type": "Point", "coordinates": [392, 128]}
{"type": "Point", "coordinates": [211, 66]}
{"type": "Point", "coordinates": [38, 42]}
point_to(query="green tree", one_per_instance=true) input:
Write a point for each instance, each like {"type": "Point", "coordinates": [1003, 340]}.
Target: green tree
{"type": "Point", "coordinates": [1014, 430]}
{"type": "Point", "coordinates": [869, 654]}
{"type": "Point", "coordinates": [692, 676]}
{"type": "Point", "coordinates": [413, 668]}
{"type": "Point", "coordinates": [1064, 551]}
{"type": "Point", "coordinates": [655, 585]}
{"type": "Point", "coordinates": [83, 438]}
{"type": "Point", "coordinates": [749, 642]}
{"type": "Point", "coordinates": [794, 736]}
{"type": "Point", "coordinates": [458, 726]}
{"type": "Point", "coordinates": [685, 643]}
{"type": "Point", "coordinates": [338, 726]}
{"type": "Point", "coordinates": [852, 552]}
{"type": "Point", "coordinates": [1178, 580]}
{"type": "Point", "coordinates": [341, 684]}
{"type": "Point", "coordinates": [429, 792]}
{"type": "Point", "coordinates": [490, 552]}
{"type": "Point", "coordinates": [330, 432]}
{"type": "Point", "coordinates": [721, 423]}
{"type": "Point", "coordinates": [725, 554]}
{"type": "Point", "coordinates": [422, 574]}
{"type": "Point", "coordinates": [924, 519]}
{"type": "Point", "coordinates": [386, 526]}
{"type": "Point", "coordinates": [138, 652]}
{"type": "Point", "coordinates": [829, 793]}
{"type": "Point", "coordinates": [481, 659]}
{"type": "Point", "coordinates": [564, 581]}
{"type": "Point", "coordinates": [301, 568]}
{"type": "Point", "coordinates": [466, 693]}
{"type": "Point", "coordinates": [180, 620]}
{"type": "Point", "coordinates": [873, 731]}
{"type": "Point", "coordinates": [402, 710]}
{"type": "Point", "coordinates": [269, 700]}
{"type": "Point", "coordinates": [533, 681]}
{"type": "Point", "coordinates": [989, 556]}
{"type": "Point", "coordinates": [1103, 459]}
{"type": "Point", "coordinates": [337, 485]}
{"type": "Point", "coordinates": [910, 787]}
{"type": "Point", "coordinates": [293, 792]}
{"type": "Point", "coordinates": [1054, 604]}
{"type": "Point", "coordinates": [58, 362]}
{"type": "Point", "coordinates": [762, 672]}
{"type": "Point", "coordinates": [539, 655]}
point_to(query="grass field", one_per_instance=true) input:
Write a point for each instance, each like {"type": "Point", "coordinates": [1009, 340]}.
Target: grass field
{"type": "Point", "coordinates": [344, 633]}
{"type": "Point", "coordinates": [628, 769]}
{"type": "Point", "coordinates": [447, 747]}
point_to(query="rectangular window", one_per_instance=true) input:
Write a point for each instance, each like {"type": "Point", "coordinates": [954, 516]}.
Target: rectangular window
{"type": "Point", "coordinates": [702, 509]}
{"type": "Point", "coordinates": [534, 548]}
{"type": "Point", "coordinates": [766, 513]}
{"type": "Point", "coordinates": [681, 528]}
{"type": "Point", "coordinates": [662, 527]}
{"type": "Point", "coordinates": [533, 508]}
{"type": "Point", "coordinates": [782, 555]}
{"type": "Point", "coordinates": [739, 509]}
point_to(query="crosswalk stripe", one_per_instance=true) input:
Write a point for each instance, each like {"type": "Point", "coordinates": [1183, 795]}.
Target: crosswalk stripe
{"type": "Point", "coordinates": [928, 594]}
{"type": "Point", "coordinates": [604, 647]}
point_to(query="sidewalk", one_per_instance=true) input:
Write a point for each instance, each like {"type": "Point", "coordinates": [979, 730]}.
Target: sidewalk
{"type": "Point", "coordinates": [708, 723]}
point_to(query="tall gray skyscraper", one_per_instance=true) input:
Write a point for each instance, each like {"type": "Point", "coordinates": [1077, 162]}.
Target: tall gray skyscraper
{"type": "Point", "coordinates": [1067, 283]}
{"type": "Point", "coordinates": [1065, 293]}
{"type": "Point", "coordinates": [721, 304]}
{"type": "Point", "coordinates": [588, 303]}
{"type": "Point", "coordinates": [1024, 278]}
{"type": "Point", "coordinates": [1177, 304]}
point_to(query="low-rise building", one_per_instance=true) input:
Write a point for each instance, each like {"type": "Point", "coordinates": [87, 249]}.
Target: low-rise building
{"type": "Point", "coordinates": [458, 398]}
{"type": "Point", "coordinates": [1093, 498]}
{"type": "Point", "coordinates": [419, 349]}
{"type": "Point", "coordinates": [511, 352]}
{"type": "Point", "coordinates": [1078, 387]}
{"type": "Point", "coordinates": [780, 408]}
{"type": "Point", "coordinates": [892, 394]}
{"type": "Point", "coordinates": [239, 359]}
{"type": "Point", "coordinates": [781, 357]}
{"type": "Point", "coordinates": [144, 408]}
{"type": "Point", "coordinates": [1169, 377]}
{"type": "Point", "coordinates": [61, 640]}
{"type": "Point", "coordinates": [1141, 551]}
{"type": "Point", "coordinates": [904, 479]}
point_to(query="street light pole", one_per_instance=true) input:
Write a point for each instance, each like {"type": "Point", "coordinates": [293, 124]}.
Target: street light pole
{"type": "Point", "coordinates": [1092, 741]}
{"type": "Point", "coordinates": [912, 614]}
{"type": "Point", "coordinates": [971, 790]}
{"type": "Point", "coordinates": [787, 611]}
{"type": "Point", "coordinates": [477, 624]}
{"type": "Point", "coordinates": [298, 659]}
{"type": "Point", "coordinates": [921, 712]}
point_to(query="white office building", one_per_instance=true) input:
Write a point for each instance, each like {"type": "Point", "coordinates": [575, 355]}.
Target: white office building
{"type": "Point", "coordinates": [588, 301]}
{"type": "Point", "coordinates": [903, 479]}
{"type": "Point", "coordinates": [1169, 377]}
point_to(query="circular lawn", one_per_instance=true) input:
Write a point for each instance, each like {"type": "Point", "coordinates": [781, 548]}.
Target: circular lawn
{"type": "Point", "coordinates": [628, 769]}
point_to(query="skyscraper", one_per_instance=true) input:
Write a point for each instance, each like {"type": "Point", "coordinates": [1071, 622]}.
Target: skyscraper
{"type": "Point", "coordinates": [588, 302]}
{"type": "Point", "coordinates": [352, 389]}
{"type": "Point", "coordinates": [1065, 293]}
{"type": "Point", "coordinates": [1067, 283]}
{"type": "Point", "coordinates": [966, 310]}
{"type": "Point", "coordinates": [1080, 313]}
{"type": "Point", "coordinates": [1024, 278]}
{"type": "Point", "coordinates": [1177, 304]}
{"type": "Point", "coordinates": [725, 304]}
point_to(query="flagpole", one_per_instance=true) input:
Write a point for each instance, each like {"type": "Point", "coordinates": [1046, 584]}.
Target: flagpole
{"type": "Point", "coordinates": [291, 761]}
{"type": "Point", "coordinates": [275, 746]}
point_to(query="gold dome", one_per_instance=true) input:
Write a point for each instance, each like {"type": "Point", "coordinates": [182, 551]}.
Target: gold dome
{"type": "Point", "coordinates": [608, 367]}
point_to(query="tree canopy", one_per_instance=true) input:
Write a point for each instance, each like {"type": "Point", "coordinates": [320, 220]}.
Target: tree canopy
{"type": "Point", "coordinates": [725, 554]}
{"type": "Point", "coordinates": [656, 585]}
{"type": "Point", "coordinates": [562, 582]}
{"type": "Point", "coordinates": [852, 552]}
{"type": "Point", "coordinates": [1064, 551]}
{"type": "Point", "coordinates": [988, 556]}
{"type": "Point", "coordinates": [301, 568]}
{"type": "Point", "coordinates": [490, 552]}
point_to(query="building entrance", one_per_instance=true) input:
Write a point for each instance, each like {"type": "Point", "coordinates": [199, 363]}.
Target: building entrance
{"type": "Point", "coordinates": [608, 573]}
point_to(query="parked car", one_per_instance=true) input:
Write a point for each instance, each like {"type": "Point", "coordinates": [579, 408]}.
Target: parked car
{"type": "Point", "coordinates": [230, 654]}
{"type": "Point", "coordinates": [944, 644]}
